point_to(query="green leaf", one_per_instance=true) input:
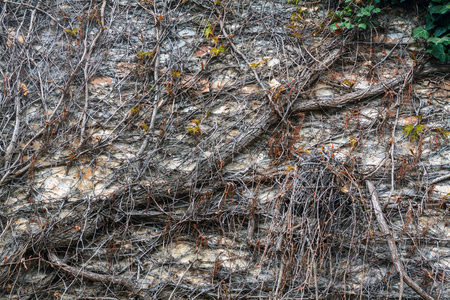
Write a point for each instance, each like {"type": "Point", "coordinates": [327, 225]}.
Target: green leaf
{"type": "Point", "coordinates": [208, 31]}
{"type": "Point", "coordinates": [363, 26]}
{"type": "Point", "coordinates": [254, 65]}
{"type": "Point", "coordinates": [365, 12]}
{"type": "Point", "coordinates": [419, 128]}
{"type": "Point", "coordinates": [435, 40]}
{"type": "Point", "coordinates": [439, 31]}
{"type": "Point", "coordinates": [412, 131]}
{"type": "Point", "coordinates": [72, 32]}
{"type": "Point", "coordinates": [420, 32]}
{"type": "Point", "coordinates": [443, 40]}
{"type": "Point", "coordinates": [435, 9]}
{"type": "Point", "coordinates": [438, 52]}
{"type": "Point", "coordinates": [333, 27]}
{"type": "Point", "coordinates": [217, 51]}
{"type": "Point", "coordinates": [430, 24]}
{"type": "Point", "coordinates": [376, 10]}
{"type": "Point", "coordinates": [143, 55]}
{"type": "Point", "coordinates": [407, 129]}
{"type": "Point", "coordinates": [445, 8]}
{"type": "Point", "coordinates": [134, 109]}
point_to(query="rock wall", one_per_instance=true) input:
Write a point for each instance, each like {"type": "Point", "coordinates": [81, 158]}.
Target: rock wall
{"type": "Point", "coordinates": [199, 149]}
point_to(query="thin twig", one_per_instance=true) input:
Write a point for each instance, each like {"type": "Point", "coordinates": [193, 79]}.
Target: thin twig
{"type": "Point", "coordinates": [86, 75]}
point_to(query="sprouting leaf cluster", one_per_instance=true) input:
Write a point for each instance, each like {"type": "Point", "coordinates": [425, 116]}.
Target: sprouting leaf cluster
{"type": "Point", "coordinates": [142, 55]}
{"type": "Point", "coordinates": [413, 131]}
{"type": "Point", "coordinates": [218, 50]}
{"type": "Point", "coordinates": [194, 129]}
{"type": "Point", "coordinates": [348, 83]}
{"type": "Point", "coordinates": [72, 32]}
{"type": "Point", "coordinates": [135, 109]}
{"type": "Point", "coordinates": [208, 31]}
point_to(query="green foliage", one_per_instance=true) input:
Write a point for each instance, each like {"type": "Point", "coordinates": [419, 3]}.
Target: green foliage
{"type": "Point", "coordinates": [348, 83]}
{"type": "Point", "coordinates": [413, 131]}
{"type": "Point", "coordinates": [443, 133]}
{"type": "Point", "coordinates": [298, 14]}
{"type": "Point", "coordinates": [176, 73]}
{"type": "Point", "coordinates": [354, 13]}
{"type": "Point", "coordinates": [135, 109]}
{"type": "Point", "coordinates": [361, 13]}
{"type": "Point", "coordinates": [142, 55]}
{"type": "Point", "coordinates": [194, 129]}
{"type": "Point", "coordinates": [255, 65]}
{"type": "Point", "coordinates": [420, 32]}
{"type": "Point", "coordinates": [72, 32]}
{"type": "Point", "coordinates": [437, 29]}
{"type": "Point", "coordinates": [353, 141]}
{"type": "Point", "coordinates": [217, 51]}
{"type": "Point", "coordinates": [208, 31]}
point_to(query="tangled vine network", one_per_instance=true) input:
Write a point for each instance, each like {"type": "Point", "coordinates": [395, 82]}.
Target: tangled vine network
{"type": "Point", "coordinates": [200, 149]}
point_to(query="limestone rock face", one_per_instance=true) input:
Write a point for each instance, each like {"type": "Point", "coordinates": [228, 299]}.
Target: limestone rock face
{"type": "Point", "coordinates": [199, 149]}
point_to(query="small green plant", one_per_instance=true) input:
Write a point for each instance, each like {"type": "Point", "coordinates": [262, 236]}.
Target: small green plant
{"type": "Point", "coordinates": [176, 73]}
{"type": "Point", "coordinates": [73, 32]}
{"type": "Point", "coordinates": [348, 83]}
{"type": "Point", "coordinates": [353, 141]}
{"type": "Point", "coordinates": [142, 55]}
{"type": "Point", "coordinates": [255, 65]}
{"type": "Point", "coordinates": [208, 31]}
{"type": "Point", "coordinates": [437, 46]}
{"type": "Point", "coordinates": [195, 128]}
{"type": "Point", "coordinates": [135, 109]}
{"type": "Point", "coordinates": [216, 51]}
{"type": "Point", "coordinates": [413, 131]}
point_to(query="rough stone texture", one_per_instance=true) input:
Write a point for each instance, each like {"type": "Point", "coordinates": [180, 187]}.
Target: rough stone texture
{"type": "Point", "coordinates": [249, 183]}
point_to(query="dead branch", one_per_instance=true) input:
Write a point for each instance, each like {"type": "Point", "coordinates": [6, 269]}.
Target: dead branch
{"type": "Point", "coordinates": [110, 280]}
{"type": "Point", "coordinates": [396, 260]}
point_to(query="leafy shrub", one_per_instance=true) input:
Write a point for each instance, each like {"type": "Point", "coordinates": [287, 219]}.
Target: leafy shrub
{"type": "Point", "coordinates": [355, 13]}
{"type": "Point", "coordinates": [362, 13]}
{"type": "Point", "coordinates": [437, 29]}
